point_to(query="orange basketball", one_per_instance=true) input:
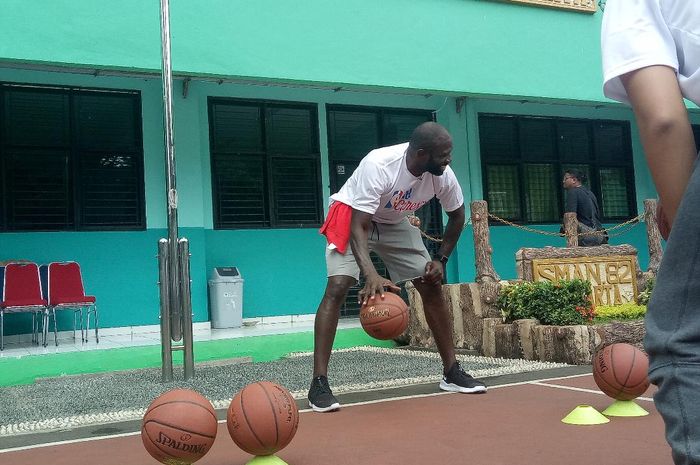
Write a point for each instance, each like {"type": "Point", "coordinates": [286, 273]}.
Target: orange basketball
{"type": "Point", "coordinates": [179, 427]}
{"type": "Point", "coordinates": [620, 371]}
{"type": "Point", "coordinates": [262, 418]}
{"type": "Point", "coordinates": [385, 318]}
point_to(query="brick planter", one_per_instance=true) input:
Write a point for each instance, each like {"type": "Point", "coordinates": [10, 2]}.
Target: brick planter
{"type": "Point", "coordinates": [525, 339]}
{"type": "Point", "coordinates": [574, 344]}
{"type": "Point", "coordinates": [464, 302]}
{"type": "Point", "coordinates": [529, 340]}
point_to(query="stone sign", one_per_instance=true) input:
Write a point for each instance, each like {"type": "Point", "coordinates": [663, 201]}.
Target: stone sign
{"type": "Point", "coordinates": [613, 277]}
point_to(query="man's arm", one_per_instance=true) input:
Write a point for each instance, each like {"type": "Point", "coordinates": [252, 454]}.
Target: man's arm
{"type": "Point", "coordinates": [360, 226]}
{"type": "Point", "coordinates": [434, 271]}
{"type": "Point", "coordinates": [455, 225]}
{"type": "Point", "coordinates": [665, 131]}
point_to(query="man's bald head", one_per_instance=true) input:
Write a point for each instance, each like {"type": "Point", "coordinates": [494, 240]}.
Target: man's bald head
{"type": "Point", "coordinates": [428, 136]}
{"type": "Point", "coordinates": [429, 149]}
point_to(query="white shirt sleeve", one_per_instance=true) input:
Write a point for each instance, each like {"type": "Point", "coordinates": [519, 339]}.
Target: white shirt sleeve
{"type": "Point", "coordinates": [372, 182]}
{"type": "Point", "coordinates": [449, 191]}
{"type": "Point", "coordinates": [634, 35]}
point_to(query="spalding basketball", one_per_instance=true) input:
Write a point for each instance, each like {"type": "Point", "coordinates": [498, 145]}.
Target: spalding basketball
{"type": "Point", "coordinates": [385, 318]}
{"type": "Point", "coordinates": [262, 418]}
{"type": "Point", "coordinates": [179, 427]}
{"type": "Point", "coordinates": [620, 371]}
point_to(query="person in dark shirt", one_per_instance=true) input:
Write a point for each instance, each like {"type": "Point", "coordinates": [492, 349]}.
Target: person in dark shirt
{"type": "Point", "coordinates": [580, 200]}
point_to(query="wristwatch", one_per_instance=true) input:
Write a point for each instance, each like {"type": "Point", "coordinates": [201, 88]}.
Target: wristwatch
{"type": "Point", "coordinates": [441, 258]}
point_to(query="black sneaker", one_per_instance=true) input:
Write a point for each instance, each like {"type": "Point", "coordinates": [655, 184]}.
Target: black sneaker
{"type": "Point", "coordinates": [456, 380]}
{"type": "Point", "coordinates": [321, 398]}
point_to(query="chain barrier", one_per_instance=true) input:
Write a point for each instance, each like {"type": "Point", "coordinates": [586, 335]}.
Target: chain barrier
{"type": "Point", "coordinates": [439, 239]}
{"type": "Point", "coordinates": [632, 223]}
{"type": "Point", "coordinates": [629, 228]}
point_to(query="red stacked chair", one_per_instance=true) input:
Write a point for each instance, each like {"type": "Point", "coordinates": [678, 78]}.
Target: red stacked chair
{"type": "Point", "coordinates": [22, 293]}
{"type": "Point", "coordinates": [66, 292]}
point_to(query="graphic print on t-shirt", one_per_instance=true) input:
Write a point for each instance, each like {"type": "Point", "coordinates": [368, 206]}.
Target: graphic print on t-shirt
{"type": "Point", "coordinates": [383, 186]}
{"type": "Point", "coordinates": [401, 201]}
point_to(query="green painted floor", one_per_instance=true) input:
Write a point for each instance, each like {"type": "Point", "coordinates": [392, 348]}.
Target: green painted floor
{"type": "Point", "coordinates": [25, 370]}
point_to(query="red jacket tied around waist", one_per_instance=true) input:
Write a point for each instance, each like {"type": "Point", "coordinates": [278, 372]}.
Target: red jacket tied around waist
{"type": "Point", "coordinates": [336, 228]}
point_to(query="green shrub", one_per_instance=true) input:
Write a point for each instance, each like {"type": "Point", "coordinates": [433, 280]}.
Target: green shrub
{"type": "Point", "coordinates": [629, 311]}
{"type": "Point", "coordinates": [552, 303]}
{"type": "Point", "coordinates": [645, 295]}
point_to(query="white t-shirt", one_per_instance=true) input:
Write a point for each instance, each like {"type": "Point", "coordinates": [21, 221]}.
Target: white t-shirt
{"type": "Point", "coordinates": [641, 33]}
{"type": "Point", "coordinates": [383, 187]}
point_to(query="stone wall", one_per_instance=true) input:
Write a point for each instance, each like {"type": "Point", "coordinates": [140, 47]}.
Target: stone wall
{"type": "Point", "coordinates": [529, 340]}
{"type": "Point", "coordinates": [464, 302]}
{"type": "Point", "coordinates": [525, 339]}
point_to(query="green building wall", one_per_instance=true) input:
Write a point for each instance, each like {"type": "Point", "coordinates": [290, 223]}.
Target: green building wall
{"type": "Point", "coordinates": [455, 46]}
{"type": "Point", "coordinates": [422, 54]}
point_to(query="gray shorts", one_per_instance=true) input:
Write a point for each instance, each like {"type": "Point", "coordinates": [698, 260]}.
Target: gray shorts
{"type": "Point", "coordinates": [398, 245]}
{"type": "Point", "coordinates": [673, 330]}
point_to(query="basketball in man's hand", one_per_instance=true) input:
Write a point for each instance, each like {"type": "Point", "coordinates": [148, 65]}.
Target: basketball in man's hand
{"type": "Point", "coordinates": [384, 318]}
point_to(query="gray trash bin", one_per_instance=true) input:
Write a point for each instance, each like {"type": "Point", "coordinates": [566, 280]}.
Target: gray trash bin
{"type": "Point", "coordinates": [226, 297]}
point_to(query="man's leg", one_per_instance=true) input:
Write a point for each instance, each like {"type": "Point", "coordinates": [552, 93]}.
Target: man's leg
{"type": "Point", "coordinates": [673, 330]}
{"type": "Point", "coordinates": [401, 248]}
{"type": "Point", "coordinates": [677, 400]}
{"type": "Point", "coordinates": [326, 321]}
{"type": "Point", "coordinates": [440, 322]}
{"type": "Point", "coordinates": [321, 398]}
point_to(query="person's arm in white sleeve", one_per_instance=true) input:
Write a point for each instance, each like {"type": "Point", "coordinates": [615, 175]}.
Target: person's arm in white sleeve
{"type": "Point", "coordinates": [665, 130]}
{"type": "Point", "coordinates": [640, 66]}
{"type": "Point", "coordinates": [372, 182]}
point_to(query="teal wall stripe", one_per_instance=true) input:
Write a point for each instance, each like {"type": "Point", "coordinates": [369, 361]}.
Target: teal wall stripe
{"type": "Point", "coordinates": [467, 47]}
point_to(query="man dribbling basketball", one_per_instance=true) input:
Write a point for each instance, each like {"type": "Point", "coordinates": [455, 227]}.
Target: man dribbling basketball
{"type": "Point", "coordinates": [370, 213]}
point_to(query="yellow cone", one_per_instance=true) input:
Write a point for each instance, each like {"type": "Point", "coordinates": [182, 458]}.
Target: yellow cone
{"type": "Point", "coordinates": [625, 408]}
{"type": "Point", "coordinates": [267, 460]}
{"type": "Point", "coordinates": [585, 415]}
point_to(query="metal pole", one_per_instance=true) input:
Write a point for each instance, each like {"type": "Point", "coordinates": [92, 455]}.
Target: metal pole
{"type": "Point", "coordinates": [173, 253]}
{"type": "Point", "coordinates": [166, 343]}
{"type": "Point", "coordinates": [186, 307]}
{"type": "Point", "coordinates": [171, 184]}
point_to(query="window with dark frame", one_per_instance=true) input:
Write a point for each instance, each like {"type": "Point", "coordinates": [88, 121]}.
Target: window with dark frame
{"type": "Point", "coordinates": [265, 164]}
{"type": "Point", "coordinates": [353, 131]}
{"type": "Point", "coordinates": [524, 158]}
{"type": "Point", "coordinates": [71, 159]}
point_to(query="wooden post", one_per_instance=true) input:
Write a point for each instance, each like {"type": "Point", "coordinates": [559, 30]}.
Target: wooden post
{"type": "Point", "coordinates": [571, 229]}
{"type": "Point", "coordinates": [653, 236]}
{"type": "Point", "coordinates": [486, 275]}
